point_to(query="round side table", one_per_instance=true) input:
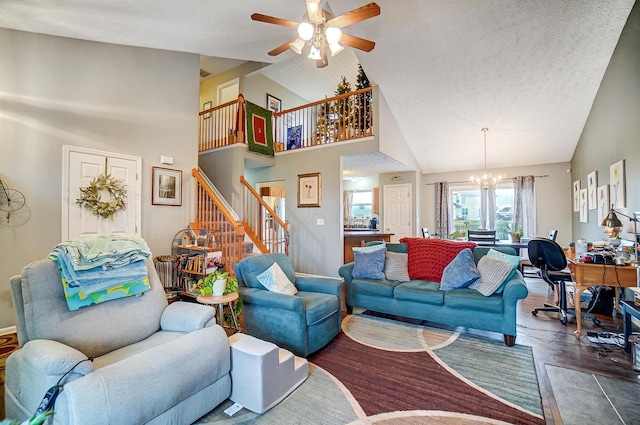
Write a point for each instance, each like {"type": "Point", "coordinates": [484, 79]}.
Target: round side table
{"type": "Point", "coordinates": [220, 302]}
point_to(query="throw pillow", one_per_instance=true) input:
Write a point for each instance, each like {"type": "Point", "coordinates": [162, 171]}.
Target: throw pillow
{"type": "Point", "coordinates": [492, 273]}
{"type": "Point", "coordinates": [429, 257]}
{"type": "Point", "coordinates": [461, 272]}
{"type": "Point", "coordinates": [369, 265]}
{"type": "Point", "coordinates": [369, 248]}
{"type": "Point", "coordinates": [275, 280]}
{"type": "Point", "coordinates": [514, 260]}
{"type": "Point", "coordinates": [395, 266]}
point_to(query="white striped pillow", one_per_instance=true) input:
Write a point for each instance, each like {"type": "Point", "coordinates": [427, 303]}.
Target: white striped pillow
{"type": "Point", "coordinates": [493, 272]}
{"type": "Point", "coordinates": [396, 266]}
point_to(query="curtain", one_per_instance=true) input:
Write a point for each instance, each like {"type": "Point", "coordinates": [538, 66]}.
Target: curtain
{"type": "Point", "coordinates": [488, 208]}
{"type": "Point", "coordinates": [443, 206]}
{"type": "Point", "coordinates": [347, 198]}
{"type": "Point", "coordinates": [524, 205]}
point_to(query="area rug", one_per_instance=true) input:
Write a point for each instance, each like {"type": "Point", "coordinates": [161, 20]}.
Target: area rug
{"type": "Point", "coordinates": [384, 371]}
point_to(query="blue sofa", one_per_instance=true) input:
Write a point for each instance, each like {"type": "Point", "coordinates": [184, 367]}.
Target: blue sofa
{"type": "Point", "coordinates": [425, 301]}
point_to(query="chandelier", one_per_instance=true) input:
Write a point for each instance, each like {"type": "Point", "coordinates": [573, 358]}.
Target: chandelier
{"type": "Point", "coordinates": [487, 180]}
{"type": "Point", "coordinates": [317, 35]}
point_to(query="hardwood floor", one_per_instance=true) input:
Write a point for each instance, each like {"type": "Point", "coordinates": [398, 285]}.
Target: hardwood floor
{"type": "Point", "coordinates": [554, 344]}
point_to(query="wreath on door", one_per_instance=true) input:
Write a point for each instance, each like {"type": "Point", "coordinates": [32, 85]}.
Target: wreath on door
{"type": "Point", "coordinates": [91, 196]}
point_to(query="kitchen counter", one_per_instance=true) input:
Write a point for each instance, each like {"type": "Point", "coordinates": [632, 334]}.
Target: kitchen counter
{"type": "Point", "coordinates": [357, 237]}
{"type": "Point", "coordinates": [352, 231]}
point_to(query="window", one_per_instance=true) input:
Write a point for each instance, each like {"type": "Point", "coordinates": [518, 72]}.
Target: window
{"type": "Point", "coordinates": [467, 214]}
{"type": "Point", "coordinates": [362, 203]}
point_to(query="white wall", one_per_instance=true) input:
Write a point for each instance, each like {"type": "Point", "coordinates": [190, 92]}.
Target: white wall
{"type": "Point", "coordinates": [553, 196]}
{"type": "Point", "coordinates": [56, 91]}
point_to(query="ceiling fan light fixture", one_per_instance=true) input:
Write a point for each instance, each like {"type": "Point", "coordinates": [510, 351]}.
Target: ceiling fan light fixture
{"type": "Point", "coordinates": [297, 45]}
{"type": "Point", "coordinates": [314, 53]}
{"type": "Point", "coordinates": [333, 35]}
{"type": "Point", "coordinates": [335, 48]}
{"type": "Point", "coordinates": [305, 31]}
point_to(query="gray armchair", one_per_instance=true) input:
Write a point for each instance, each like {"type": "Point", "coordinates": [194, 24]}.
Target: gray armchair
{"type": "Point", "coordinates": [301, 323]}
{"type": "Point", "coordinates": [153, 363]}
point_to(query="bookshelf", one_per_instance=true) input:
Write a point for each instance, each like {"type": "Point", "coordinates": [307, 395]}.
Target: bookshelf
{"type": "Point", "coordinates": [194, 262]}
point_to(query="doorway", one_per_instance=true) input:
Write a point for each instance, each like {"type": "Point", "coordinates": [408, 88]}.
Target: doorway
{"type": "Point", "coordinates": [80, 166]}
{"type": "Point", "coordinates": [397, 211]}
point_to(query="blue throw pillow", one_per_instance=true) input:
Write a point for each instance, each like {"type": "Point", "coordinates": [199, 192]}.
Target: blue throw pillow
{"type": "Point", "coordinates": [369, 265]}
{"type": "Point", "coordinates": [460, 272]}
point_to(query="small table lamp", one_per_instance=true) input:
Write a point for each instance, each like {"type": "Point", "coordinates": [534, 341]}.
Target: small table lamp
{"type": "Point", "coordinates": [612, 221]}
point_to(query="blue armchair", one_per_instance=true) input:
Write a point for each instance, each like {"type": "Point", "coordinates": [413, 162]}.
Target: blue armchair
{"type": "Point", "coordinates": [302, 323]}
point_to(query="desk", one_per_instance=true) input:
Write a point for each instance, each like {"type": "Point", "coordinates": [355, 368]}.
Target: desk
{"type": "Point", "coordinates": [590, 274]}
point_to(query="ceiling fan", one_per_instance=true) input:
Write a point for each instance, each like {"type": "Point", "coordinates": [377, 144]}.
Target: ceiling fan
{"type": "Point", "coordinates": [323, 31]}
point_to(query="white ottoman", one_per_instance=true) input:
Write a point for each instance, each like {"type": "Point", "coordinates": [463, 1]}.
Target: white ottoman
{"type": "Point", "coordinates": [262, 374]}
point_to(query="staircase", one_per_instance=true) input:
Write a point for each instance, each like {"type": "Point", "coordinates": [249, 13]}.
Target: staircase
{"type": "Point", "coordinates": [236, 237]}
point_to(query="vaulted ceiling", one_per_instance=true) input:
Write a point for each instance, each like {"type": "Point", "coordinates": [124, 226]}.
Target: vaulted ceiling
{"type": "Point", "coordinates": [527, 70]}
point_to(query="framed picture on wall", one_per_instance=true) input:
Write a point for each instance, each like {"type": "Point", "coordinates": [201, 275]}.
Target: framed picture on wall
{"type": "Point", "coordinates": [309, 190]}
{"type": "Point", "coordinates": [273, 103]}
{"type": "Point", "coordinates": [603, 202]}
{"type": "Point", "coordinates": [205, 107]}
{"type": "Point", "coordinates": [576, 196]}
{"type": "Point", "coordinates": [584, 212]}
{"type": "Point", "coordinates": [617, 185]}
{"type": "Point", "coordinates": [166, 187]}
{"type": "Point", "coordinates": [592, 184]}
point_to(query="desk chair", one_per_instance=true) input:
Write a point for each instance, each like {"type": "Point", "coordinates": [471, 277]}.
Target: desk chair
{"type": "Point", "coordinates": [481, 235]}
{"type": "Point", "coordinates": [524, 263]}
{"type": "Point", "coordinates": [549, 257]}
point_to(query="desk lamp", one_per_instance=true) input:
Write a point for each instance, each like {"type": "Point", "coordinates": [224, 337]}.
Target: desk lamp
{"type": "Point", "coordinates": [612, 221]}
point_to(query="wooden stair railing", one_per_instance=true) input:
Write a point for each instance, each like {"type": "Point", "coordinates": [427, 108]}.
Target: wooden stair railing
{"type": "Point", "coordinates": [348, 116]}
{"type": "Point", "coordinates": [222, 125]}
{"type": "Point", "coordinates": [262, 225]}
{"type": "Point", "coordinates": [214, 214]}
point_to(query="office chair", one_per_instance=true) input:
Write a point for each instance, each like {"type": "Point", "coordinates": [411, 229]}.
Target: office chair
{"type": "Point", "coordinates": [553, 233]}
{"type": "Point", "coordinates": [549, 257]}
{"type": "Point", "coordinates": [481, 235]}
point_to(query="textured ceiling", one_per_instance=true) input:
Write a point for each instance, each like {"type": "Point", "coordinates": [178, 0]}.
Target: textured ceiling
{"type": "Point", "coordinates": [528, 70]}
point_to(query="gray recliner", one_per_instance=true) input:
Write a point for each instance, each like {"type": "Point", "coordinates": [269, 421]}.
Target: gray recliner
{"type": "Point", "coordinates": [153, 363]}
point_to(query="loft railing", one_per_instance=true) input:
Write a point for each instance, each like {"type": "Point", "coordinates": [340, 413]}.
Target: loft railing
{"type": "Point", "coordinates": [214, 214]}
{"type": "Point", "coordinates": [222, 125]}
{"type": "Point", "coordinates": [345, 117]}
{"type": "Point", "coordinates": [262, 224]}
{"type": "Point", "coordinates": [348, 116]}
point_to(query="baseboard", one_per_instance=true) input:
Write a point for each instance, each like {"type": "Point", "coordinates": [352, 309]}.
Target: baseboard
{"type": "Point", "coordinates": [9, 330]}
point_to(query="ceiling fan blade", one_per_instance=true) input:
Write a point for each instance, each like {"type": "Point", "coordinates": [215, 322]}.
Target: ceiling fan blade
{"type": "Point", "coordinates": [281, 48]}
{"type": "Point", "coordinates": [271, 20]}
{"type": "Point", "coordinates": [314, 10]}
{"type": "Point", "coordinates": [356, 15]}
{"type": "Point", "coordinates": [357, 42]}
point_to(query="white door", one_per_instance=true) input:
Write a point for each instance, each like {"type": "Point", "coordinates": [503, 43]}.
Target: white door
{"type": "Point", "coordinates": [81, 166]}
{"type": "Point", "coordinates": [228, 91]}
{"type": "Point", "coordinates": [397, 210]}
